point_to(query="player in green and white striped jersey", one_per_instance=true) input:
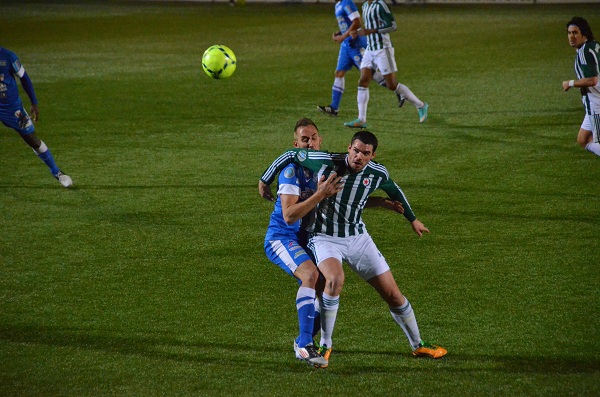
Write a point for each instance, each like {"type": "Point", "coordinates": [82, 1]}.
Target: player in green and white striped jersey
{"type": "Point", "coordinates": [587, 70]}
{"type": "Point", "coordinates": [379, 55]}
{"type": "Point", "coordinates": [338, 233]}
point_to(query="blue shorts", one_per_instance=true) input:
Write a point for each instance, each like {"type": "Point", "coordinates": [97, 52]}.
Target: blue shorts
{"type": "Point", "coordinates": [349, 57]}
{"type": "Point", "coordinates": [17, 118]}
{"type": "Point", "coordinates": [287, 254]}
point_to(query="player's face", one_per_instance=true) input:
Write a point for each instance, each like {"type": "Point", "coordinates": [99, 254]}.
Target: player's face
{"type": "Point", "coordinates": [308, 138]}
{"type": "Point", "coordinates": [359, 155]}
{"type": "Point", "coordinates": [576, 39]}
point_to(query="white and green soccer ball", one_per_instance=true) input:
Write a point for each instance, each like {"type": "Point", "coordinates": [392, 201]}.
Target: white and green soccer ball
{"type": "Point", "coordinates": [219, 62]}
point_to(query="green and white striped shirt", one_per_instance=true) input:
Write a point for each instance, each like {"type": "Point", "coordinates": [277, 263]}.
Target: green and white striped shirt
{"type": "Point", "coordinates": [341, 215]}
{"type": "Point", "coordinates": [587, 65]}
{"type": "Point", "coordinates": [377, 15]}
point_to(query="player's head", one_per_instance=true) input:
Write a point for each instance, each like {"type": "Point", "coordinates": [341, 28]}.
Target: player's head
{"type": "Point", "coordinates": [306, 135]}
{"type": "Point", "coordinates": [361, 150]}
{"type": "Point", "coordinates": [578, 32]}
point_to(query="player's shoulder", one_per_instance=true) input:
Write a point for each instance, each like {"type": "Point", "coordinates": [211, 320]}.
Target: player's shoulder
{"type": "Point", "coordinates": [376, 167]}
{"type": "Point", "coordinates": [6, 54]}
{"type": "Point", "coordinates": [291, 171]}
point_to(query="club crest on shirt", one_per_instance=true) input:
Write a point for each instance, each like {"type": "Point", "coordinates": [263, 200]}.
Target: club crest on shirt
{"type": "Point", "coordinates": [289, 172]}
{"type": "Point", "coordinates": [302, 155]}
{"type": "Point", "coordinates": [366, 182]}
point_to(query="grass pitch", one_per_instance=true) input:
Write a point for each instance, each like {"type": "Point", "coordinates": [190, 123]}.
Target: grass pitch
{"type": "Point", "coordinates": [148, 278]}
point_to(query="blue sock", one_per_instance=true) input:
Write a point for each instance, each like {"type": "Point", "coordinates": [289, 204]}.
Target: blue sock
{"type": "Point", "coordinates": [305, 303]}
{"type": "Point", "coordinates": [44, 154]}
{"type": "Point", "coordinates": [336, 92]}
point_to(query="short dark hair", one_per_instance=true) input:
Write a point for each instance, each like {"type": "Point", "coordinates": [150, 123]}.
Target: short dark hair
{"type": "Point", "coordinates": [366, 137]}
{"type": "Point", "coordinates": [583, 25]}
{"type": "Point", "coordinates": [305, 122]}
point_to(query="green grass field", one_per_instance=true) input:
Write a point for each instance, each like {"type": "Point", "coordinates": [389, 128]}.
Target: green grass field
{"type": "Point", "coordinates": [148, 277]}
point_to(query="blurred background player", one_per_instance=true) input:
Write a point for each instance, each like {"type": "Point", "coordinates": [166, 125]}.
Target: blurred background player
{"type": "Point", "coordinates": [379, 55]}
{"type": "Point", "coordinates": [13, 114]}
{"type": "Point", "coordinates": [350, 54]}
{"type": "Point", "coordinates": [587, 71]}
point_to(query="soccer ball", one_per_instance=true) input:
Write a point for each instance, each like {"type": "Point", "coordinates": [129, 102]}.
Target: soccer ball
{"type": "Point", "coordinates": [218, 62]}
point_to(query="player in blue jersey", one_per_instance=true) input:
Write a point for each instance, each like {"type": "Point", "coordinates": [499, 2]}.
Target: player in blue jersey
{"type": "Point", "coordinates": [350, 54]}
{"type": "Point", "coordinates": [587, 70]}
{"type": "Point", "coordinates": [297, 194]}
{"type": "Point", "coordinates": [13, 114]}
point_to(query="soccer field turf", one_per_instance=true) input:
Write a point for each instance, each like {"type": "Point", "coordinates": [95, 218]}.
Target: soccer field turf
{"type": "Point", "coordinates": [148, 278]}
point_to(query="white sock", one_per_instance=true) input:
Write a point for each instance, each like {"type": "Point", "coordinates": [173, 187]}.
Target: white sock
{"type": "Point", "coordinates": [362, 98]}
{"type": "Point", "coordinates": [410, 97]}
{"type": "Point", "coordinates": [405, 318]}
{"type": "Point", "coordinates": [593, 147]}
{"type": "Point", "coordinates": [329, 309]}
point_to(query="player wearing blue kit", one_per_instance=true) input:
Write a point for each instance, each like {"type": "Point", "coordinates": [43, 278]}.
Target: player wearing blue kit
{"type": "Point", "coordinates": [298, 193]}
{"type": "Point", "coordinates": [350, 54]}
{"type": "Point", "coordinates": [13, 114]}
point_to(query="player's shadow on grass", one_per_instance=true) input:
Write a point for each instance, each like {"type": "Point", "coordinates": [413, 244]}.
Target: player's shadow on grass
{"type": "Point", "coordinates": [166, 347]}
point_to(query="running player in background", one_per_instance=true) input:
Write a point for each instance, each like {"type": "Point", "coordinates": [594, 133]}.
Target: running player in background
{"type": "Point", "coordinates": [587, 71]}
{"type": "Point", "coordinates": [338, 234]}
{"type": "Point", "coordinates": [13, 114]}
{"type": "Point", "coordinates": [379, 55]}
{"type": "Point", "coordinates": [350, 54]}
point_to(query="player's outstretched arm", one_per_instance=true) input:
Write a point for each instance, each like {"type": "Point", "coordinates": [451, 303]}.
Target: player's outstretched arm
{"type": "Point", "coordinates": [419, 227]}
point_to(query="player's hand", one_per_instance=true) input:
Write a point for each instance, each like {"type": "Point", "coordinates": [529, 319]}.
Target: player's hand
{"type": "Point", "coordinates": [330, 186]}
{"type": "Point", "coordinates": [34, 113]}
{"type": "Point", "coordinates": [565, 85]}
{"type": "Point", "coordinates": [265, 191]}
{"type": "Point", "coordinates": [419, 227]}
{"type": "Point", "coordinates": [393, 205]}
{"type": "Point", "coordinates": [353, 34]}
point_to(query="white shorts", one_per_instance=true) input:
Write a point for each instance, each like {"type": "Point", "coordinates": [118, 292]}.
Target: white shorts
{"type": "Point", "coordinates": [591, 122]}
{"type": "Point", "coordinates": [382, 60]}
{"type": "Point", "coordinates": [359, 252]}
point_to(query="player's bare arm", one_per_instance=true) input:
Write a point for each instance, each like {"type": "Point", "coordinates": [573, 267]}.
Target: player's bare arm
{"type": "Point", "coordinates": [392, 205]}
{"type": "Point", "coordinates": [585, 82]}
{"type": "Point", "coordinates": [265, 191]}
{"type": "Point", "coordinates": [294, 209]}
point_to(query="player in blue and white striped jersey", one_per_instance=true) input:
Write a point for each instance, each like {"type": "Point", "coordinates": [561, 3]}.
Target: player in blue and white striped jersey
{"type": "Point", "coordinates": [587, 70]}
{"type": "Point", "coordinates": [339, 234]}
{"type": "Point", "coordinates": [13, 114]}
{"type": "Point", "coordinates": [379, 55]}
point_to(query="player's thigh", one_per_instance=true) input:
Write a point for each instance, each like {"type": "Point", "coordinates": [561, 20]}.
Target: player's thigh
{"type": "Point", "coordinates": [385, 61]}
{"type": "Point", "coordinates": [365, 259]}
{"type": "Point", "coordinates": [324, 247]}
{"type": "Point", "coordinates": [17, 119]}
{"type": "Point", "coordinates": [347, 59]}
{"type": "Point", "coordinates": [287, 254]}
